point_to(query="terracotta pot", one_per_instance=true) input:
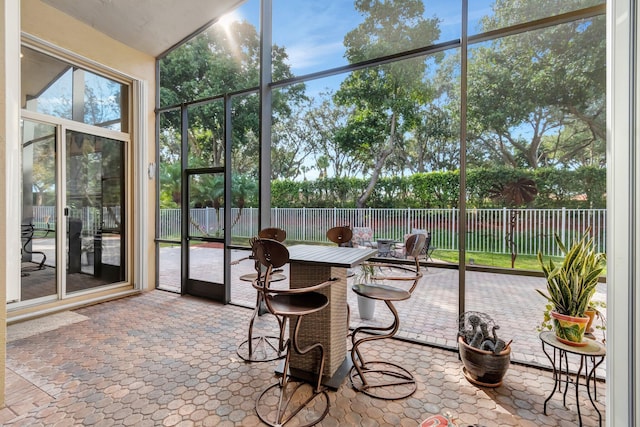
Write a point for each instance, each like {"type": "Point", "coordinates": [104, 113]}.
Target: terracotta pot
{"type": "Point", "coordinates": [591, 314]}
{"type": "Point", "coordinates": [569, 330]}
{"type": "Point", "coordinates": [481, 367]}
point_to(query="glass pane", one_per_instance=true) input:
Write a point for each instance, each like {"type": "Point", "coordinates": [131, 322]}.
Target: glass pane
{"type": "Point", "coordinates": [316, 36]}
{"type": "Point", "coordinates": [38, 274]}
{"type": "Point", "coordinates": [169, 175]}
{"type": "Point", "coordinates": [206, 205]}
{"type": "Point", "coordinates": [536, 164]}
{"type": "Point", "coordinates": [488, 15]}
{"type": "Point", "coordinates": [245, 129]}
{"type": "Point", "coordinates": [224, 58]}
{"type": "Point", "coordinates": [169, 267]}
{"type": "Point", "coordinates": [393, 128]}
{"type": "Point", "coordinates": [206, 135]}
{"type": "Point", "coordinates": [244, 190]}
{"type": "Point", "coordinates": [56, 88]}
{"type": "Point", "coordinates": [206, 219]}
{"type": "Point", "coordinates": [95, 200]}
{"type": "Point", "coordinates": [170, 179]}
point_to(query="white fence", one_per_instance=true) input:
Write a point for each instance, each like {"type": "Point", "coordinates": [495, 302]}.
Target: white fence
{"type": "Point", "coordinates": [44, 218]}
{"type": "Point", "coordinates": [487, 229]}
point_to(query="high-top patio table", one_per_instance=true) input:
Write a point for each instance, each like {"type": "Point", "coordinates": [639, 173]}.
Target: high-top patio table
{"type": "Point", "coordinates": [310, 265]}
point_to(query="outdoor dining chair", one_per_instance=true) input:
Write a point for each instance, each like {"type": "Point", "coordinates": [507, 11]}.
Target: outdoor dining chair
{"type": "Point", "coordinates": [340, 235]}
{"type": "Point", "coordinates": [27, 234]}
{"type": "Point", "coordinates": [273, 233]}
{"type": "Point", "coordinates": [401, 251]}
{"type": "Point", "coordinates": [260, 348]}
{"type": "Point", "coordinates": [380, 378]}
{"type": "Point", "coordinates": [291, 399]}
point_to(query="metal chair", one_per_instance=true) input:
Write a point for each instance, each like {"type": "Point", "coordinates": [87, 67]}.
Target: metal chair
{"type": "Point", "coordinates": [273, 233]}
{"type": "Point", "coordinates": [27, 231]}
{"type": "Point", "coordinates": [260, 348]}
{"type": "Point", "coordinates": [340, 235]}
{"type": "Point", "coordinates": [290, 399]}
{"type": "Point", "coordinates": [383, 379]}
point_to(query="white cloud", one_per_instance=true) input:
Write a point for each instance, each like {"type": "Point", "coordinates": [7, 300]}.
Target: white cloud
{"type": "Point", "coordinates": [305, 55]}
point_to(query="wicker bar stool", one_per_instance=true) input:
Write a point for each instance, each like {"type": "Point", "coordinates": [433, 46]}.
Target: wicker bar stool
{"type": "Point", "coordinates": [290, 399]}
{"type": "Point", "coordinates": [383, 379]}
{"type": "Point", "coordinates": [260, 348]}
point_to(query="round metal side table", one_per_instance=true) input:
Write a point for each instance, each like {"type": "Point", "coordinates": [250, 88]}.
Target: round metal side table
{"type": "Point", "coordinates": [592, 354]}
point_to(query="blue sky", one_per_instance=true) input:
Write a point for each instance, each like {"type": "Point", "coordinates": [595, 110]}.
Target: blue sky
{"type": "Point", "coordinates": [313, 31]}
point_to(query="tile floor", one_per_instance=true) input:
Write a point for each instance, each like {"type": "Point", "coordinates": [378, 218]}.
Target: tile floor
{"type": "Point", "coordinates": [159, 359]}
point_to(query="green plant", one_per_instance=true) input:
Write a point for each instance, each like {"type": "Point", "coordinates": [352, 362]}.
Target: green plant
{"type": "Point", "coordinates": [572, 284]}
{"type": "Point", "coordinates": [597, 306]}
{"type": "Point", "coordinates": [87, 244]}
{"type": "Point", "coordinates": [365, 273]}
{"type": "Point", "coordinates": [547, 323]}
{"type": "Point", "coordinates": [601, 325]}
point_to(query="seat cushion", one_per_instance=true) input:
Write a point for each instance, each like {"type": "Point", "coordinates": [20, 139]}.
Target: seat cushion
{"type": "Point", "coordinates": [380, 292]}
{"type": "Point", "coordinates": [298, 304]}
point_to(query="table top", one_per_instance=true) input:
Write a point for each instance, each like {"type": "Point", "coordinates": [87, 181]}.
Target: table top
{"type": "Point", "coordinates": [593, 347]}
{"type": "Point", "coordinates": [335, 256]}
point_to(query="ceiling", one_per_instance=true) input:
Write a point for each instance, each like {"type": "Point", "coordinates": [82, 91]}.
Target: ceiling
{"type": "Point", "coordinates": [151, 26]}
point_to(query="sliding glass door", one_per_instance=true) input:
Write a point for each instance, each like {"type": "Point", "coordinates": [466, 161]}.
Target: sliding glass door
{"type": "Point", "coordinates": [39, 199]}
{"type": "Point", "coordinates": [73, 210]}
{"type": "Point", "coordinates": [94, 211]}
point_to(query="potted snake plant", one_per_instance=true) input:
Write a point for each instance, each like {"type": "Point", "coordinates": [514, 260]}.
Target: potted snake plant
{"type": "Point", "coordinates": [570, 287]}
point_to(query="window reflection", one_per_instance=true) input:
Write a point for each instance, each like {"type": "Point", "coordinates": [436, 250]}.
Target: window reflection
{"type": "Point", "coordinates": [56, 88]}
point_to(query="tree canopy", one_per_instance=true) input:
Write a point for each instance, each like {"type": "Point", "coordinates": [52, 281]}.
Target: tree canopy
{"type": "Point", "coordinates": [535, 100]}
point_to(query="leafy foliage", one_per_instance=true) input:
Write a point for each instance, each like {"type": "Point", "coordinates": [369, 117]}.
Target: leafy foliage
{"type": "Point", "coordinates": [556, 189]}
{"type": "Point", "coordinates": [572, 284]}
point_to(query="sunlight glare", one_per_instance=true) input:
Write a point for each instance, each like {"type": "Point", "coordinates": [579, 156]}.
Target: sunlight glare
{"type": "Point", "coordinates": [227, 19]}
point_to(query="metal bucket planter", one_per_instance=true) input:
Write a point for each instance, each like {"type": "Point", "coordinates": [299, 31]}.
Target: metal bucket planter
{"type": "Point", "coordinates": [366, 307]}
{"type": "Point", "coordinates": [481, 367]}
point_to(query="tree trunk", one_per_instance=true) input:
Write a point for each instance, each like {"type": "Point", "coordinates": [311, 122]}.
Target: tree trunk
{"type": "Point", "coordinates": [384, 154]}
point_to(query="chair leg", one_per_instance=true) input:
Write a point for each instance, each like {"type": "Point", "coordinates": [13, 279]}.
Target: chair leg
{"type": "Point", "coordinates": [376, 378]}
{"type": "Point", "coordinates": [263, 348]}
{"type": "Point", "coordinates": [294, 397]}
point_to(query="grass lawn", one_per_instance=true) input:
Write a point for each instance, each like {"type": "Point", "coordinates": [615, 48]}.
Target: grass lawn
{"type": "Point", "coordinates": [523, 262]}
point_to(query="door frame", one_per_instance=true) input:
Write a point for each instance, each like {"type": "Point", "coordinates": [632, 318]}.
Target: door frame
{"type": "Point", "coordinates": [196, 287]}
{"type": "Point", "coordinates": [62, 125]}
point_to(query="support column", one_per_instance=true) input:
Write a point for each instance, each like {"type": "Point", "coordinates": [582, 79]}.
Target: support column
{"type": "Point", "coordinates": [623, 214]}
{"type": "Point", "coordinates": [9, 169]}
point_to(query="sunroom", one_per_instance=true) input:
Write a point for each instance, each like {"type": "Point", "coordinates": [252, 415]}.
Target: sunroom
{"type": "Point", "coordinates": [115, 150]}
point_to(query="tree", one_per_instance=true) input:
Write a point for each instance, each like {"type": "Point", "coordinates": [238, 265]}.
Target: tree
{"type": "Point", "coordinates": [326, 122]}
{"type": "Point", "coordinates": [537, 98]}
{"type": "Point", "coordinates": [385, 99]}
{"type": "Point", "coordinates": [434, 144]}
{"type": "Point", "coordinates": [219, 61]}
